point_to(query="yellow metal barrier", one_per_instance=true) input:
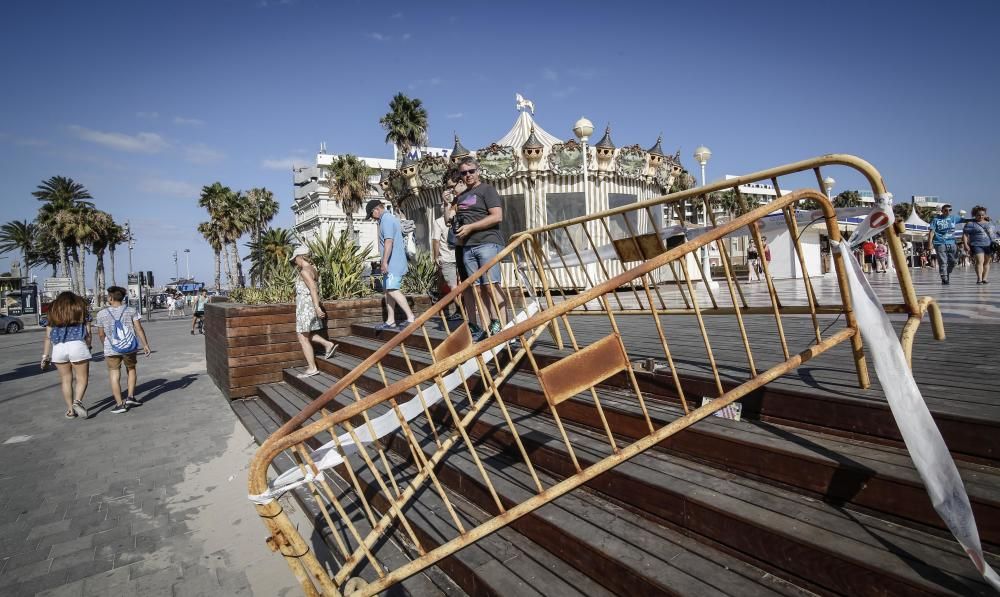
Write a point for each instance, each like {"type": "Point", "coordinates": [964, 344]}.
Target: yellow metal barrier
{"type": "Point", "coordinates": [576, 299]}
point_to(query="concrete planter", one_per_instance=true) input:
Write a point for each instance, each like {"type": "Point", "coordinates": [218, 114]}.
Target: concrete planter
{"type": "Point", "coordinates": [249, 345]}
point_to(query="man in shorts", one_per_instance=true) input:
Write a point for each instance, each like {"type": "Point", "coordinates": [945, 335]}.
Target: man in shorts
{"type": "Point", "coordinates": [393, 265]}
{"type": "Point", "coordinates": [479, 213]}
{"type": "Point", "coordinates": [199, 309]}
{"type": "Point", "coordinates": [106, 321]}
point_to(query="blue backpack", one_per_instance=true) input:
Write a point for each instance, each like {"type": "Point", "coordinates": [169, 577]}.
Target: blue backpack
{"type": "Point", "coordinates": [122, 339]}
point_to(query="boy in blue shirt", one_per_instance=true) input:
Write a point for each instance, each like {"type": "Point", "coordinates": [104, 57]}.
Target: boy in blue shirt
{"type": "Point", "coordinates": [942, 236]}
{"type": "Point", "coordinates": [393, 266]}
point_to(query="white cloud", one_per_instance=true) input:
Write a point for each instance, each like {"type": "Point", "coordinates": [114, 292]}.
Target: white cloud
{"type": "Point", "coordinates": [431, 82]}
{"type": "Point", "coordinates": [378, 36]}
{"type": "Point", "coordinates": [454, 115]}
{"type": "Point", "coordinates": [191, 121]}
{"type": "Point", "coordinates": [23, 141]}
{"type": "Point", "coordinates": [564, 92]}
{"type": "Point", "coordinates": [406, 36]}
{"type": "Point", "coordinates": [202, 154]}
{"type": "Point", "coordinates": [585, 73]}
{"type": "Point", "coordinates": [286, 163]}
{"type": "Point", "coordinates": [138, 143]}
{"type": "Point", "coordinates": [396, 15]}
{"type": "Point", "coordinates": [164, 186]}
{"type": "Point", "coordinates": [149, 115]}
{"type": "Point", "coordinates": [550, 74]}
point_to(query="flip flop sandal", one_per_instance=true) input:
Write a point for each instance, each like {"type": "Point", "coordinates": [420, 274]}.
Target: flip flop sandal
{"type": "Point", "coordinates": [332, 350]}
{"type": "Point", "coordinates": [305, 374]}
{"type": "Point", "coordinates": [69, 414]}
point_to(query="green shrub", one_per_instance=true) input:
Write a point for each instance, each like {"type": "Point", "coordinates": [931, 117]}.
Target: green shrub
{"type": "Point", "coordinates": [341, 265]}
{"type": "Point", "coordinates": [422, 275]}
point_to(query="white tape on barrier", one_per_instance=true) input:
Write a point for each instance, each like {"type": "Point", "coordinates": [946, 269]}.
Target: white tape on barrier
{"type": "Point", "coordinates": [328, 455]}
{"type": "Point", "coordinates": [922, 438]}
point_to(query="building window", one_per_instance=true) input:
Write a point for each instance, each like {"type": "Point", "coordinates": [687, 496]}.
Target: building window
{"type": "Point", "coordinates": [513, 216]}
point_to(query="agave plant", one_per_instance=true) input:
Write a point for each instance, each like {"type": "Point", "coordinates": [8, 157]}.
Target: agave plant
{"type": "Point", "coordinates": [422, 275]}
{"type": "Point", "coordinates": [341, 265]}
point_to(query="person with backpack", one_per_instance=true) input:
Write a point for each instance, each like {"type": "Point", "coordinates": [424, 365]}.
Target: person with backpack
{"type": "Point", "coordinates": [120, 329]}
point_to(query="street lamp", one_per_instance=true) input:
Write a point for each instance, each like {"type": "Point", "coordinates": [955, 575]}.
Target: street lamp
{"type": "Point", "coordinates": [828, 183]}
{"type": "Point", "coordinates": [177, 273]}
{"type": "Point", "coordinates": [187, 263]}
{"type": "Point", "coordinates": [583, 129]}
{"type": "Point", "coordinates": [702, 155]}
{"type": "Point", "coordinates": [131, 244]}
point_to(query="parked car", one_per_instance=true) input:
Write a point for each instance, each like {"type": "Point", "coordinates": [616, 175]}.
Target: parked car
{"type": "Point", "coordinates": [11, 324]}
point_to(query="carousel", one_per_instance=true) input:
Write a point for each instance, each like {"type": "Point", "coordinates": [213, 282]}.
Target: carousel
{"type": "Point", "coordinates": [544, 179]}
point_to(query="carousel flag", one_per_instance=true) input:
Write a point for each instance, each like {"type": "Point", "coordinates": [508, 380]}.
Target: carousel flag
{"type": "Point", "coordinates": [920, 434]}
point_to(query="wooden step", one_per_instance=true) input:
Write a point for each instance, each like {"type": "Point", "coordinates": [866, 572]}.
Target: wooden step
{"type": "Point", "coordinates": [261, 421]}
{"type": "Point", "coordinates": [619, 549]}
{"type": "Point", "coordinates": [504, 563]}
{"type": "Point", "coordinates": [876, 478]}
{"type": "Point", "coordinates": [833, 547]}
{"type": "Point", "coordinates": [822, 396]}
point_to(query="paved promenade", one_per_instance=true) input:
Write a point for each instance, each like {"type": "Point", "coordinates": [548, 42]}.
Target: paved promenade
{"type": "Point", "coordinates": [151, 502]}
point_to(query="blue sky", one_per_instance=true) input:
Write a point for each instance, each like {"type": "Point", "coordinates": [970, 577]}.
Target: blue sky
{"type": "Point", "coordinates": [145, 102]}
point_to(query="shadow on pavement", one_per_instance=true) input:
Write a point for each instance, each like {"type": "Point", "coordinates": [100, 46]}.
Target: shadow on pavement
{"type": "Point", "coordinates": [146, 391]}
{"type": "Point", "coordinates": [23, 371]}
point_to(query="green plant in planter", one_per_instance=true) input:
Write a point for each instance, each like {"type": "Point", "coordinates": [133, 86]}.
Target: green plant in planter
{"type": "Point", "coordinates": [422, 275]}
{"type": "Point", "coordinates": [341, 265]}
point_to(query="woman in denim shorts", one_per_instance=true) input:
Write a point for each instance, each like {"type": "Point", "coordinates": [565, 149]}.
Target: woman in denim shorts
{"type": "Point", "coordinates": [67, 344]}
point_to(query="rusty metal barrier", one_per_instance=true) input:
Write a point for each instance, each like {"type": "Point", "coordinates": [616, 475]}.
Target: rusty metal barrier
{"type": "Point", "coordinates": [576, 301]}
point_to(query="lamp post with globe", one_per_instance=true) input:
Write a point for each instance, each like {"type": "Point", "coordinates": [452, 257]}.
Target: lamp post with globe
{"type": "Point", "coordinates": [702, 155]}
{"type": "Point", "coordinates": [828, 183]}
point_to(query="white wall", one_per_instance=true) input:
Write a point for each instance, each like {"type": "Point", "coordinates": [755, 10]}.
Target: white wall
{"type": "Point", "coordinates": [785, 263]}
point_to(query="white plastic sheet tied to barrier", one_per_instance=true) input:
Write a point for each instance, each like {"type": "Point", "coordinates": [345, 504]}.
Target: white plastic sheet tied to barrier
{"type": "Point", "coordinates": [922, 438]}
{"type": "Point", "coordinates": [328, 455]}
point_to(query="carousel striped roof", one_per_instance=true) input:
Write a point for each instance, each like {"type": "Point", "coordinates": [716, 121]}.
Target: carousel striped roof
{"type": "Point", "coordinates": [519, 133]}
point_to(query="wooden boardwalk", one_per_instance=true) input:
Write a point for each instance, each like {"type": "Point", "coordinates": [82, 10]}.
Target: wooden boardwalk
{"type": "Point", "coordinates": [956, 376]}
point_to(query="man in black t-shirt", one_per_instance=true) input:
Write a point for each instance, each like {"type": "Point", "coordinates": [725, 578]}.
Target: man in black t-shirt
{"type": "Point", "coordinates": [479, 213]}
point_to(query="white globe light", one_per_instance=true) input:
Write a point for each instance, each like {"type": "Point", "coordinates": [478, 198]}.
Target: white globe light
{"type": "Point", "coordinates": [583, 129]}
{"type": "Point", "coordinates": [702, 153]}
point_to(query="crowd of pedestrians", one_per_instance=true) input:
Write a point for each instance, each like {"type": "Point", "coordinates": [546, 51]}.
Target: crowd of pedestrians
{"type": "Point", "coordinates": [68, 344]}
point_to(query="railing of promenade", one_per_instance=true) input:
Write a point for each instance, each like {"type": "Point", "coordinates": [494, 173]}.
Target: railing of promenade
{"type": "Point", "coordinates": [605, 267]}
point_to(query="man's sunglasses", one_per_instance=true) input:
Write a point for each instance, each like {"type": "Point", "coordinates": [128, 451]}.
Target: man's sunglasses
{"type": "Point", "coordinates": [468, 172]}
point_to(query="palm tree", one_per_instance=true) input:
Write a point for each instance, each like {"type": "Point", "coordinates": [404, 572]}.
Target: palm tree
{"type": "Point", "coordinates": [263, 209]}
{"type": "Point", "coordinates": [103, 226]}
{"type": "Point", "coordinates": [235, 219]}
{"type": "Point", "coordinates": [115, 235]}
{"type": "Point", "coordinates": [19, 235]}
{"type": "Point", "coordinates": [214, 198]}
{"type": "Point", "coordinates": [75, 226]}
{"type": "Point", "coordinates": [60, 193]}
{"type": "Point", "coordinates": [45, 249]}
{"type": "Point", "coordinates": [349, 182]}
{"type": "Point", "coordinates": [270, 253]}
{"type": "Point", "coordinates": [211, 234]}
{"type": "Point", "coordinates": [848, 199]}
{"type": "Point", "coordinates": [405, 124]}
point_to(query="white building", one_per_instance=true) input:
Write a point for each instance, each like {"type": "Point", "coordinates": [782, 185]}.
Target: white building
{"type": "Point", "coordinates": [316, 213]}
